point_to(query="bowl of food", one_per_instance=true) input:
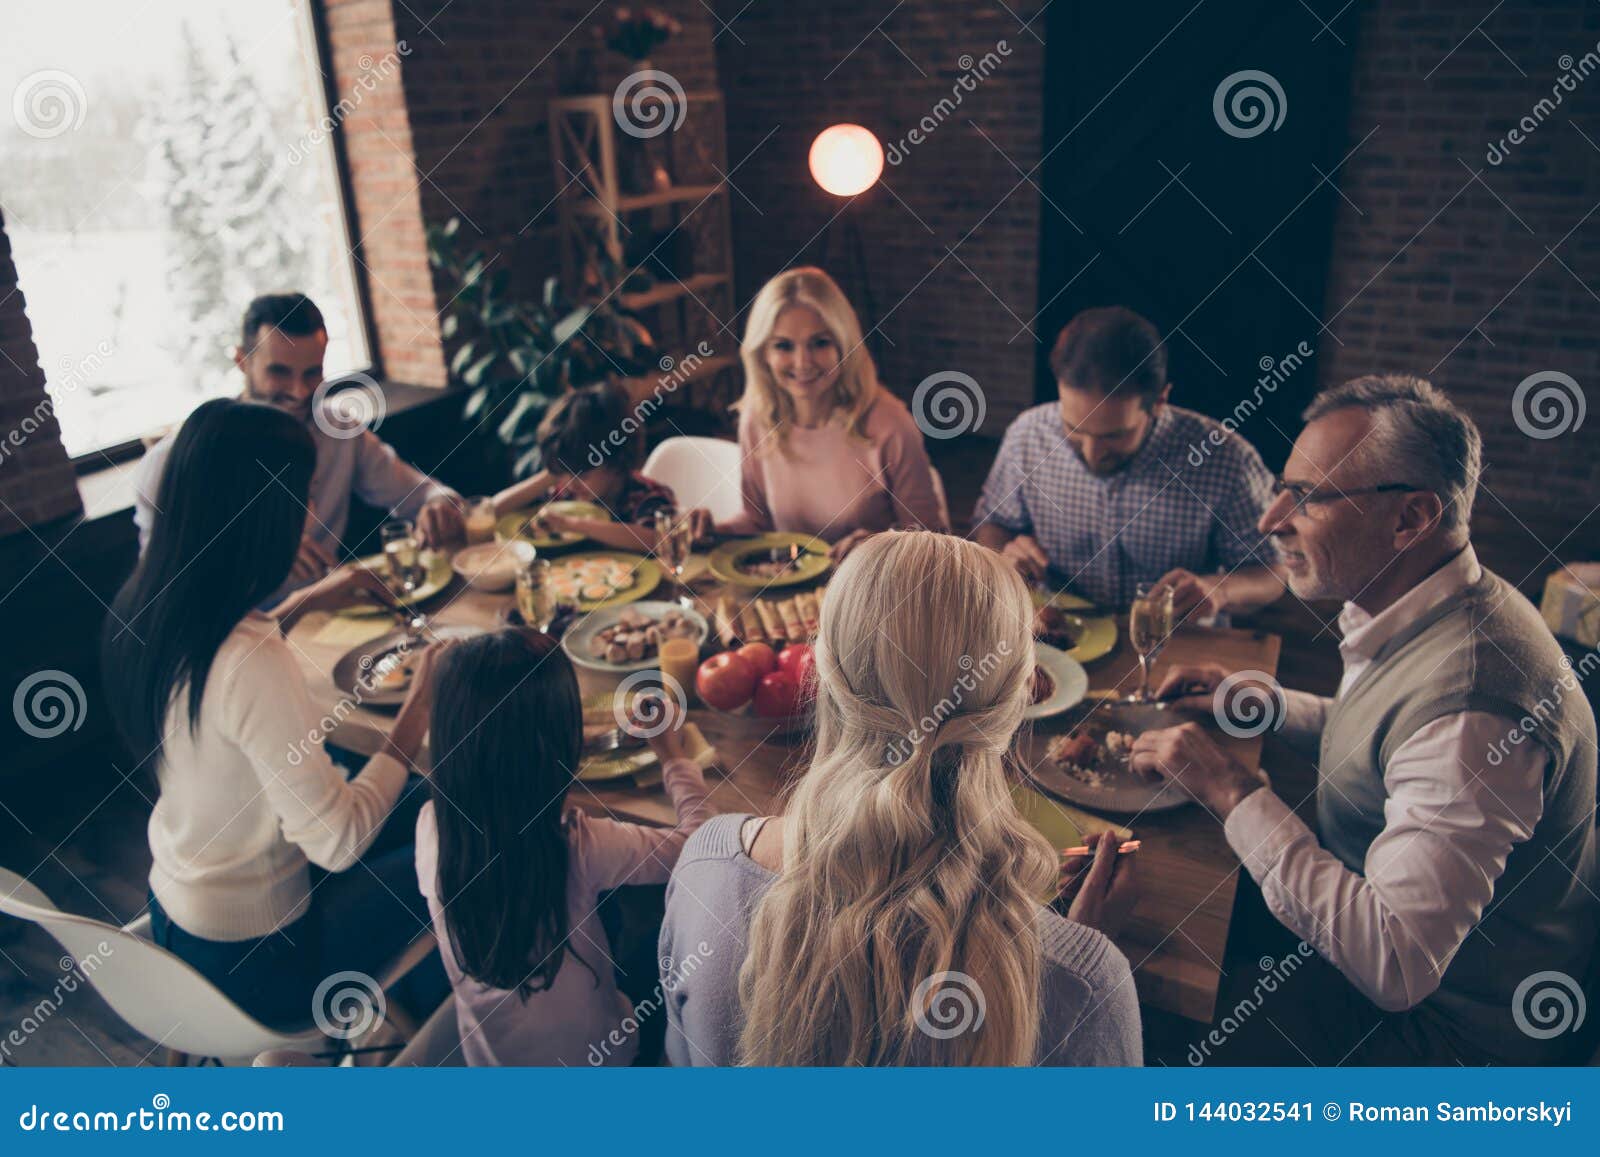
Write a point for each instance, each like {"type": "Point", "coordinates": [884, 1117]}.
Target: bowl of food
{"type": "Point", "coordinates": [1089, 761]}
{"type": "Point", "coordinates": [492, 566]}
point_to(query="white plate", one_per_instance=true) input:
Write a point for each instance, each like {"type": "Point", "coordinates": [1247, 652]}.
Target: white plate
{"type": "Point", "coordinates": [1123, 790]}
{"type": "Point", "coordinates": [1071, 680]}
{"type": "Point", "coordinates": [576, 641]}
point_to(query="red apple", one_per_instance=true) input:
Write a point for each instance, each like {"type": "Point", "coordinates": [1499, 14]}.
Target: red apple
{"type": "Point", "coordinates": [760, 656]}
{"type": "Point", "coordinates": [726, 681]}
{"type": "Point", "coordinates": [777, 696]}
{"type": "Point", "coordinates": [797, 661]}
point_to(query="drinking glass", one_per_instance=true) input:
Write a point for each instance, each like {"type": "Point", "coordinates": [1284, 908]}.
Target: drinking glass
{"type": "Point", "coordinates": [673, 542]}
{"type": "Point", "coordinates": [1149, 625]}
{"type": "Point", "coordinates": [402, 554]}
{"type": "Point", "coordinates": [480, 519]}
{"type": "Point", "coordinates": [536, 602]}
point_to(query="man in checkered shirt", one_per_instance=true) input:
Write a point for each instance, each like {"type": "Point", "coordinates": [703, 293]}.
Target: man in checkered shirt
{"type": "Point", "coordinates": [1113, 486]}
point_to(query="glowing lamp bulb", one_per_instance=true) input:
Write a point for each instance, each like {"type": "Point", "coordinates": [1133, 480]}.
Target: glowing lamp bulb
{"type": "Point", "coordinates": [846, 160]}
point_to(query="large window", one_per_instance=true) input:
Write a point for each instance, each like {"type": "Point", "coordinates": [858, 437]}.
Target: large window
{"type": "Point", "coordinates": [161, 164]}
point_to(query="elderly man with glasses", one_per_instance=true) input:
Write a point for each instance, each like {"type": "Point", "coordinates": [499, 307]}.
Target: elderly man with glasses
{"type": "Point", "coordinates": [1450, 874]}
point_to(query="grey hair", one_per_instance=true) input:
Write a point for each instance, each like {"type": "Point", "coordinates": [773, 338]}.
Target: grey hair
{"type": "Point", "coordinates": [1419, 437]}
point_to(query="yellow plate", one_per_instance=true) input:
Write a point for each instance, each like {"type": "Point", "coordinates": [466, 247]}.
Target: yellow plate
{"type": "Point", "coordinates": [514, 525]}
{"type": "Point", "coordinates": [640, 762]}
{"type": "Point", "coordinates": [1099, 635]}
{"type": "Point", "coordinates": [439, 576]}
{"type": "Point", "coordinates": [646, 576]}
{"type": "Point", "coordinates": [724, 560]}
{"type": "Point", "coordinates": [1062, 824]}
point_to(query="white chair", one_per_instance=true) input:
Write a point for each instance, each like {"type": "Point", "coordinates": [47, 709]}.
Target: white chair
{"type": "Point", "coordinates": [701, 472]}
{"type": "Point", "coordinates": [157, 994]}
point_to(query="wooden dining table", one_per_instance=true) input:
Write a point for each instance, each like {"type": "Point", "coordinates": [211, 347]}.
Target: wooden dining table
{"type": "Point", "coordinates": [1178, 933]}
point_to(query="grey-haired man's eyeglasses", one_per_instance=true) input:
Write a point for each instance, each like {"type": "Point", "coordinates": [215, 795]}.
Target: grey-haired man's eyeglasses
{"type": "Point", "coordinates": [1303, 495]}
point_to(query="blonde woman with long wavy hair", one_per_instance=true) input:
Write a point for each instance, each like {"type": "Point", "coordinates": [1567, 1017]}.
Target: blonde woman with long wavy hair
{"type": "Point", "coordinates": [825, 449]}
{"type": "Point", "coordinates": [893, 914]}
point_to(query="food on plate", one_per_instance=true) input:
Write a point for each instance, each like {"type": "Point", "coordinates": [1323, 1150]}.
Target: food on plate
{"type": "Point", "coordinates": [774, 563]}
{"type": "Point", "coordinates": [1054, 626]}
{"type": "Point", "coordinates": [726, 681]}
{"type": "Point", "coordinates": [792, 619]}
{"type": "Point", "coordinates": [777, 696]}
{"type": "Point", "coordinates": [760, 656]}
{"type": "Point", "coordinates": [1043, 686]}
{"type": "Point", "coordinates": [636, 635]}
{"type": "Point", "coordinates": [1087, 756]}
{"type": "Point", "coordinates": [591, 579]}
{"type": "Point", "coordinates": [393, 672]}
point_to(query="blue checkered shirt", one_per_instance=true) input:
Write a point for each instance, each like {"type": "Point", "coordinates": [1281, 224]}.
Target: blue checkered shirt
{"type": "Point", "coordinates": [1190, 498]}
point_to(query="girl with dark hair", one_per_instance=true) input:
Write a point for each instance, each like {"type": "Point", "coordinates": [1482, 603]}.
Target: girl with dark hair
{"type": "Point", "coordinates": [513, 876]}
{"type": "Point", "coordinates": [589, 447]}
{"type": "Point", "coordinates": [207, 688]}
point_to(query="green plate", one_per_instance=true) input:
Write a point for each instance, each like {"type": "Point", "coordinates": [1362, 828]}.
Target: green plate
{"type": "Point", "coordinates": [646, 577]}
{"type": "Point", "coordinates": [1099, 635]}
{"type": "Point", "coordinates": [815, 562]}
{"type": "Point", "coordinates": [514, 525]}
{"type": "Point", "coordinates": [439, 576]}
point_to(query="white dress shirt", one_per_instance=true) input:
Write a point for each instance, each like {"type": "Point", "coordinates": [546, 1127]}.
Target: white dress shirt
{"type": "Point", "coordinates": [1450, 822]}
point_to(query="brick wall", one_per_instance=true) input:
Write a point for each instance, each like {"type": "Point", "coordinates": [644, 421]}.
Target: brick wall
{"type": "Point", "coordinates": [37, 482]}
{"type": "Point", "coordinates": [1478, 283]}
{"type": "Point", "coordinates": [465, 135]}
{"type": "Point", "coordinates": [790, 70]}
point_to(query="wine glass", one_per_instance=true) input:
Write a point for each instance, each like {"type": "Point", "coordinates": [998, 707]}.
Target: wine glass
{"type": "Point", "coordinates": [674, 539]}
{"type": "Point", "coordinates": [536, 602]}
{"type": "Point", "coordinates": [1149, 625]}
{"type": "Point", "coordinates": [402, 554]}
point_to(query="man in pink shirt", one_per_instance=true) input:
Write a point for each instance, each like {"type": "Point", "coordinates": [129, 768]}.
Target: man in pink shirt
{"type": "Point", "coordinates": [1449, 880]}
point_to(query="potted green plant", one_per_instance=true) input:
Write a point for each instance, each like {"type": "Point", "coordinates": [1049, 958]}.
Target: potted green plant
{"type": "Point", "coordinates": [519, 356]}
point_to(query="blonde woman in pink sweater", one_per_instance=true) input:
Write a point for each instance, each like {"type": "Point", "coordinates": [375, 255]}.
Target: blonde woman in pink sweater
{"type": "Point", "coordinates": [824, 448]}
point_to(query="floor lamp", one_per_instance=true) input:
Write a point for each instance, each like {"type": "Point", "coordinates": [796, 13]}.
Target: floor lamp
{"type": "Point", "coordinates": [846, 160]}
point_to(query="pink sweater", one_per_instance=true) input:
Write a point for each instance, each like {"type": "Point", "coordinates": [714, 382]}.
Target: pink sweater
{"type": "Point", "coordinates": [580, 1019]}
{"type": "Point", "coordinates": [829, 483]}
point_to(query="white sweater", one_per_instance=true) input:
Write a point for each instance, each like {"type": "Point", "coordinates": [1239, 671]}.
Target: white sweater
{"type": "Point", "coordinates": [250, 796]}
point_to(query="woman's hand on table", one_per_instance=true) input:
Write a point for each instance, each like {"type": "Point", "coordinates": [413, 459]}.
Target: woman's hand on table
{"type": "Point", "coordinates": [1189, 755]}
{"type": "Point", "coordinates": [1025, 553]}
{"type": "Point", "coordinates": [1100, 890]}
{"type": "Point", "coordinates": [849, 542]}
{"type": "Point", "coordinates": [440, 522]}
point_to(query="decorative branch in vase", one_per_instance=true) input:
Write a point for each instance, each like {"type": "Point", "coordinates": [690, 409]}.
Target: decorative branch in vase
{"type": "Point", "coordinates": [635, 35]}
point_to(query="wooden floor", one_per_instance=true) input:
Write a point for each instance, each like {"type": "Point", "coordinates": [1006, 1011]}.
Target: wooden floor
{"type": "Point", "coordinates": [79, 833]}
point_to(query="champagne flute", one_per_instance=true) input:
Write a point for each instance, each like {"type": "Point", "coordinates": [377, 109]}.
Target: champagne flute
{"type": "Point", "coordinates": [1149, 625]}
{"type": "Point", "coordinates": [536, 602]}
{"type": "Point", "coordinates": [402, 554]}
{"type": "Point", "coordinates": [673, 542]}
